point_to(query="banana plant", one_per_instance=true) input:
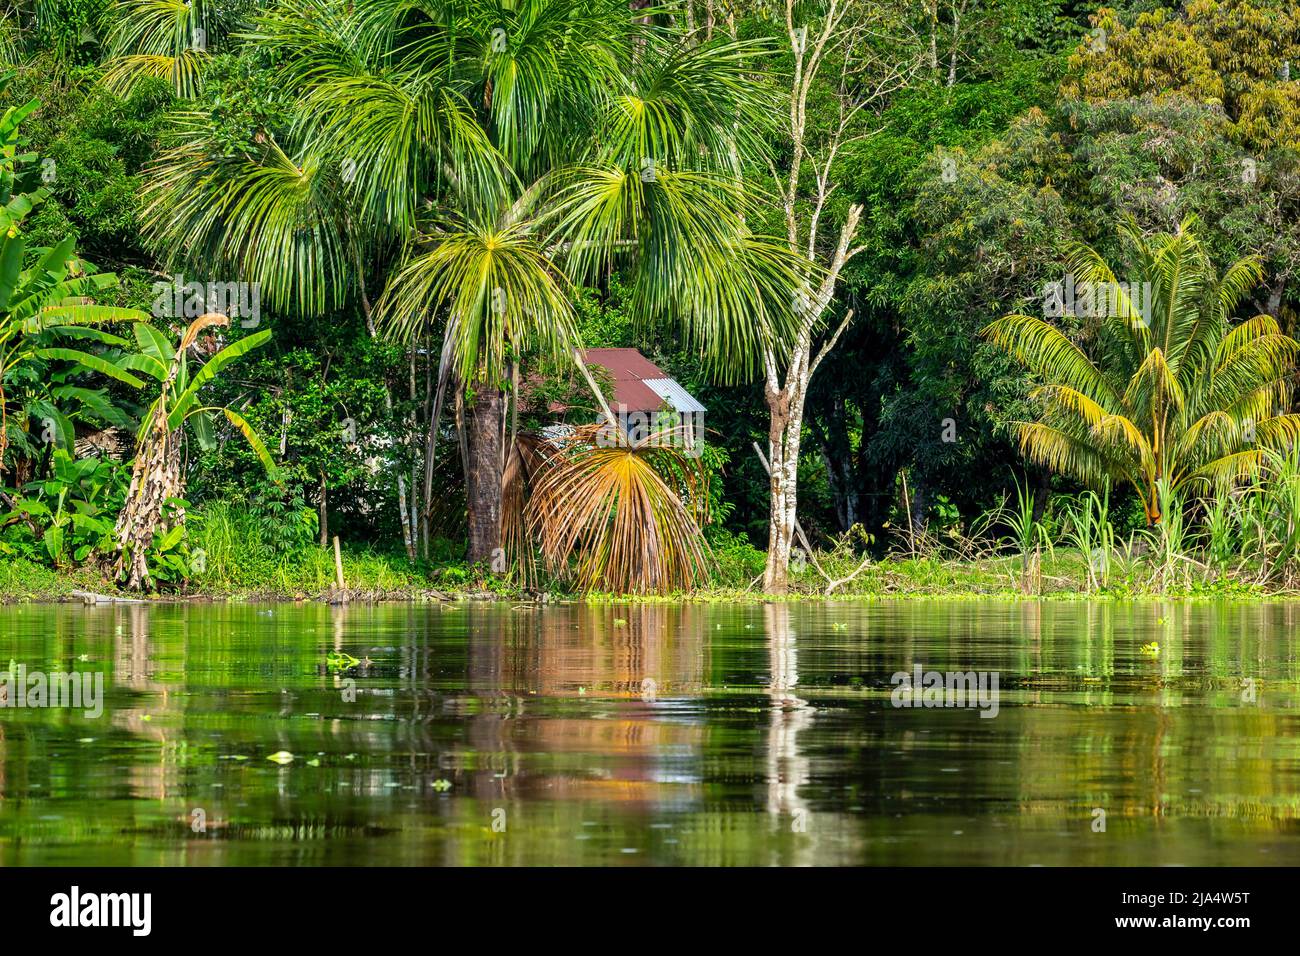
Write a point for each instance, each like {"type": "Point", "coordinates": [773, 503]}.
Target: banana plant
{"type": "Point", "coordinates": [71, 511]}
{"type": "Point", "coordinates": [50, 298]}
{"type": "Point", "coordinates": [154, 507]}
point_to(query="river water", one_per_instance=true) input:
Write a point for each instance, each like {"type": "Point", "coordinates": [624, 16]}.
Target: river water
{"type": "Point", "coordinates": [697, 734]}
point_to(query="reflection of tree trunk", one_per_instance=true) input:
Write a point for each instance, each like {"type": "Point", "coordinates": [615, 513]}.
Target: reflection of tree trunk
{"type": "Point", "coordinates": [787, 769]}
{"type": "Point", "coordinates": [131, 661]}
{"type": "Point", "coordinates": [132, 626]}
{"type": "Point", "coordinates": [485, 420]}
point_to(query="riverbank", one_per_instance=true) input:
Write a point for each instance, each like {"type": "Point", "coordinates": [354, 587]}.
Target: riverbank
{"type": "Point", "coordinates": [374, 577]}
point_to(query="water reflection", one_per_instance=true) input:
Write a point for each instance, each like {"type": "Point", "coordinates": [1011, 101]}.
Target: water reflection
{"type": "Point", "coordinates": [786, 764]}
{"type": "Point", "coordinates": [698, 734]}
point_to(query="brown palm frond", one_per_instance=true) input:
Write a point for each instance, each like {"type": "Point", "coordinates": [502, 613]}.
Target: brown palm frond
{"type": "Point", "coordinates": [606, 515]}
{"type": "Point", "coordinates": [525, 462]}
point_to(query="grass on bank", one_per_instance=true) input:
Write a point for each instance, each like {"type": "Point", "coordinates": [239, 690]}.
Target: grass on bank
{"type": "Point", "coordinates": [241, 563]}
{"type": "Point", "coordinates": [244, 554]}
{"type": "Point", "coordinates": [1060, 572]}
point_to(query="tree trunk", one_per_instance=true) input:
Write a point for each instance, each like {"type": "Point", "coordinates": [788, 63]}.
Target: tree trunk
{"type": "Point", "coordinates": [1042, 493]}
{"type": "Point", "coordinates": [324, 512]}
{"type": "Point", "coordinates": [1274, 304]}
{"type": "Point", "coordinates": [402, 516]}
{"type": "Point", "coordinates": [848, 501]}
{"type": "Point", "coordinates": [410, 513]}
{"type": "Point", "coordinates": [485, 419]}
{"type": "Point", "coordinates": [918, 503]}
{"type": "Point", "coordinates": [430, 437]}
{"type": "Point", "coordinates": [804, 199]}
{"type": "Point", "coordinates": [155, 478]}
{"type": "Point", "coordinates": [837, 456]}
{"type": "Point", "coordinates": [784, 431]}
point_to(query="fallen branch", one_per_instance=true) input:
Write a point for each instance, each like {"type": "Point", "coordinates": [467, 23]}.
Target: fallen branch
{"type": "Point", "coordinates": [866, 563]}
{"type": "Point", "coordinates": [90, 597]}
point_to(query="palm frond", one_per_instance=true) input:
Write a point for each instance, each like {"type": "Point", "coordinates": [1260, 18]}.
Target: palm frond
{"type": "Point", "coordinates": [497, 285]}
{"type": "Point", "coordinates": [267, 218]}
{"type": "Point", "coordinates": [166, 39]}
{"type": "Point", "coordinates": [1045, 350]}
{"type": "Point", "coordinates": [608, 509]}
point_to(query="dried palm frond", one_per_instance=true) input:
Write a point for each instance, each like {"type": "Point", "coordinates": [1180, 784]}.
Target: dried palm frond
{"type": "Point", "coordinates": [525, 461]}
{"type": "Point", "coordinates": [606, 513]}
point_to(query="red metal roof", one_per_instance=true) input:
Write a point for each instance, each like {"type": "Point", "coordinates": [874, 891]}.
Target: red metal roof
{"type": "Point", "coordinates": [628, 368]}
{"type": "Point", "coordinates": [629, 371]}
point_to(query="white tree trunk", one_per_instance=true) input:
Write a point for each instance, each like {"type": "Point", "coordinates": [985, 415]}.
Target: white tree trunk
{"type": "Point", "coordinates": [837, 26]}
{"type": "Point", "coordinates": [786, 395]}
{"type": "Point", "coordinates": [785, 408]}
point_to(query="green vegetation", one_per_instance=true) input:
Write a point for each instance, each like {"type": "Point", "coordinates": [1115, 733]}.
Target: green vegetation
{"type": "Point", "coordinates": [1005, 301]}
{"type": "Point", "coordinates": [1175, 395]}
{"type": "Point", "coordinates": [152, 523]}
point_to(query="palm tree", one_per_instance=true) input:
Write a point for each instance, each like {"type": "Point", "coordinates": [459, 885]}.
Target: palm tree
{"type": "Point", "coordinates": [506, 151]}
{"type": "Point", "coordinates": [613, 508]}
{"type": "Point", "coordinates": [1161, 388]}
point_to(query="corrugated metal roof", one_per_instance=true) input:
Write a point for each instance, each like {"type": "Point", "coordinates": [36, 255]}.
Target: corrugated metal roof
{"type": "Point", "coordinates": [670, 391]}
{"type": "Point", "coordinates": [639, 384]}
{"type": "Point", "coordinates": [623, 363]}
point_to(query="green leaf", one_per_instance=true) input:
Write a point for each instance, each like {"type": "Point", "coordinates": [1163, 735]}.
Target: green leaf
{"type": "Point", "coordinates": [172, 538]}
{"type": "Point", "coordinates": [185, 402]}
{"type": "Point", "coordinates": [84, 314]}
{"type": "Point", "coordinates": [139, 362]}
{"type": "Point", "coordinates": [81, 332]}
{"type": "Point", "coordinates": [153, 343]}
{"type": "Point", "coordinates": [254, 442]}
{"type": "Point", "coordinates": [53, 539]}
{"type": "Point", "coordinates": [203, 431]}
{"type": "Point", "coordinates": [92, 362]}
{"type": "Point", "coordinates": [11, 261]}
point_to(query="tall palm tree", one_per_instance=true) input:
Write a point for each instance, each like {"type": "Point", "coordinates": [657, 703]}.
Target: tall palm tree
{"type": "Point", "coordinates": [1161, 387]}
{"type": "Point", "coordinates": [504, 152]}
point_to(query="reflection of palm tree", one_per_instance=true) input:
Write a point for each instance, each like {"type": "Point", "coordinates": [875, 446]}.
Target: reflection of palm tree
{"type": "Point", "coordinates": [535, 656]}
{"type": "Point", "coordinates": [787, 769]}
